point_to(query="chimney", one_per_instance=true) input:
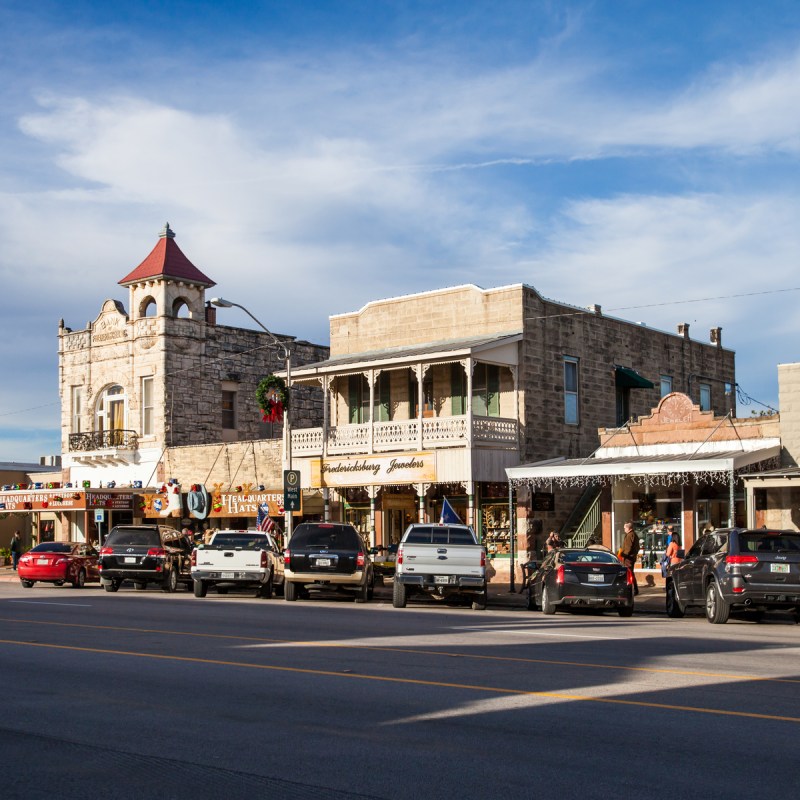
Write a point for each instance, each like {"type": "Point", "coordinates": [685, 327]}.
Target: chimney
{"type": "Point", "coordinates": [211, 314]}
{"type": "Point", "coordinates": [596, 309]}
{"type": "Point", "coordinates": [683, 329]}
{"type": "Point", "coordinates": [716, 336]}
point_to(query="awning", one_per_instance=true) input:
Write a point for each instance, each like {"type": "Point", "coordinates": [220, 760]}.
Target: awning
{"type": "Point", "coordinates": [627, 378]}
{"type": "Point", "coordinates": [678, 468]}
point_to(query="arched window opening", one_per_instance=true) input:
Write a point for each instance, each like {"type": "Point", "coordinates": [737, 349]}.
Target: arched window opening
{"type": "Point", "coordinates": [148, 307]}
{"type": "Point", "coordinates": [180, 309]}
{"type": "Point", "coordinates": [111, 410]}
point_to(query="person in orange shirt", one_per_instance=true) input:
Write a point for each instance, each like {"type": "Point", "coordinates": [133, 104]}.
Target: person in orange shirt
{"type": "Point", "coordinates": [673, 548]}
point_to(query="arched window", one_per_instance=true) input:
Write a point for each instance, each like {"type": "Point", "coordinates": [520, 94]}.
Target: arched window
{"type": "Point", "coordinates": [148, 307]}
{"type": "Point", "coordinates": [180, 308]}
{"type": "Point", "coordinates": [110, 414]}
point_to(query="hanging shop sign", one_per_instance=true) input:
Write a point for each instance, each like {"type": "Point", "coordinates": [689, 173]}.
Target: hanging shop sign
{"type": "Point", "coordinates": [64, 499]}
{"type": "Point", "coordinates": [373, 470]}
{"type": "Point", "coordinates": [245, 503]}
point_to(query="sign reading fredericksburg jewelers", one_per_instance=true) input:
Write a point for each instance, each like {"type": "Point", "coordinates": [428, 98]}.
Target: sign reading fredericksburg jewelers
{"type": "Point", "coordinates": [371, 470]}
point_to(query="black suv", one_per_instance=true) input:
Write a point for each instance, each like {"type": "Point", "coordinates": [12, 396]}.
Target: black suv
{"type": "Point", "coordinates": [146, 554]}
{"type": "Point", "coordinates": [737, 569]}
{"type": "Point", "coordinates": [327, 556]}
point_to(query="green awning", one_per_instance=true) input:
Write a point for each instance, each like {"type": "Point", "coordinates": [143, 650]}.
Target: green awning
{"type": "Point", "coordinates": [627, 378]}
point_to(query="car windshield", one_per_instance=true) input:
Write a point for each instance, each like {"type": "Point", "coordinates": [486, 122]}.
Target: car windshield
{"type": "Point", "coordinates": [53, 547]}
{"type": "Point", "coordinates": [769, 542]}
{"type": "Point", "coordinates": [326, 535]}
{"type": "Point", "coordinates": [242, 541]}
{"type": "Point", "coordinates": [133, 536]}
{"type": "Point", "coordinates": [588, 556]}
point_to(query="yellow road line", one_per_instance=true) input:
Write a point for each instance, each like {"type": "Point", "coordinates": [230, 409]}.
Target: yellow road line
{"type": "Point", "coordinates": [408, 681]}
{"type": "Point", "coordinates": [413, 651]}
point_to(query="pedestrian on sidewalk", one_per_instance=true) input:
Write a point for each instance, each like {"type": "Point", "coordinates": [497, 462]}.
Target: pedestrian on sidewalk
{"type": "Point", "coordinates": [629, 551]}
{"type": "Point", "coordinates": [16, 549]}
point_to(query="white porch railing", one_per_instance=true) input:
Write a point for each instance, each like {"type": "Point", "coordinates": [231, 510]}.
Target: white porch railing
{"type": "Point", "coordinates": [437, 432]}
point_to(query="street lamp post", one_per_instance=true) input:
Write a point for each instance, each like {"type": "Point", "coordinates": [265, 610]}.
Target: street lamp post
{"type": "Point", "coordinates": [287, 428]}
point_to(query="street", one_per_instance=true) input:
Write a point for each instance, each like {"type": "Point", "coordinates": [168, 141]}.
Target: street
{"type": "Point", "coordinates": [145, 694]}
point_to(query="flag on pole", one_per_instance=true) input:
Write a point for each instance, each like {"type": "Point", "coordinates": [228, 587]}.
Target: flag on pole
{"type": "Point", "coordinates": [449, 515]}
{"type": "Point", "coordinates": [263, 520]}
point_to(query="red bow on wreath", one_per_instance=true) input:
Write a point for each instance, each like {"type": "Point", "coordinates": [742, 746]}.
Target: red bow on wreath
{"type": "Point", "coordinates": [273, 398]}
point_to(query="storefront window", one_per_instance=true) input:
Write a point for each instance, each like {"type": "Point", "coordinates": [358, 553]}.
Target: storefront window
{"type": "Point", "coordinates": [495, 528]}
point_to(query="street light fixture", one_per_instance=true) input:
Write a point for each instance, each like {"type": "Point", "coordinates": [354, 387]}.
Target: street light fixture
{"type": "Point", "coordinates": [287, 428]}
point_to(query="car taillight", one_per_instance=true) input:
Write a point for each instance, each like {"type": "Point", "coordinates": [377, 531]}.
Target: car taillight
{"type": "Point", "coordinates": [741, 559]}
{"type": "Point", "coordinates": [360, 560]}
{"type": "Point", "coordinates": [106, 551]}
{"type": "Point", "coordinates": [157, 552]}
{"type": "Point", "coordinates": [194, 558]}
{"type": "Point", "coordinates": [264, 559]}
{"type": "Point", "coordinates": [59, 561]}
{"type": "Point", "coordinates": [483, 558]}
{"type": "Point", "coordinates": [560, 574]}
{"type": "Point", "coordinates": [399, 559]}
{"type": "Point", "coordinates": [629, 577]}
{"type": "Point", "coordinates": [287, 558]}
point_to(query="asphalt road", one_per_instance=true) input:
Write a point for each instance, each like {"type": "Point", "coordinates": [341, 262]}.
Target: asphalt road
{"type": "Point", "coordinates": [142, 694]}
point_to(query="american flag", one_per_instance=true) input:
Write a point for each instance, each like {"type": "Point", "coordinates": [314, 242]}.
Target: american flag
{"type": "Point", "coordinates": [263, 519]}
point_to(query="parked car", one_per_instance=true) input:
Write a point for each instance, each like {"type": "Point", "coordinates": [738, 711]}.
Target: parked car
{"type": "Point", "coordinates": [735, 569]}
{"type": "Point", "coordinates": [146, 554]}
{"type": "Point", "coordinates": [589, 578]}
{"type": "Point", "coordinates": [59, 563]}
{"type": "Point", "coordinates": [238, 559]}
{"type": "Point", "coordinates": [327, 556]}
{"type": "Point", "coordinates": [440, 560]}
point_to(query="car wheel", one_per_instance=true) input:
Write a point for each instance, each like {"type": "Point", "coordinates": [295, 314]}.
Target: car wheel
{"type": "Point", "coordinates": [140, 585]}
{"type": "Point", "coordinates": [674, 607]}
{"type": "Point", "coordinates": [200, 588]}
{"type": "Point", "coordinates": [399, 594]}
{"type": "Point", "coordinates": [362, 595]}
{"type": "Point", "coordinates": [479, 600]}
{"type": "Point", "coordinates": [626, 611]}
{"type": "Point", "coordinates": [26, 584]}
{"type": "Point", "coordinates": [717, 610]}
{"type": "Point", "coordinates": [80, 579]}
{"type": "Point", "coordinates": [171, 581]}
{"type": "Point", "coordinates": [265, 590]}
{"type": "Point", "coordinates": [111, 586]}
{"type": "Point", "coordinates": [289, 591]}
{"type": "Point", "coordinates": [548, 606]}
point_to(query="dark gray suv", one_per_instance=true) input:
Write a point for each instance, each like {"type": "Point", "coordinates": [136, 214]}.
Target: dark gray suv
{"type": "Point", "coordinates": [737, 569]}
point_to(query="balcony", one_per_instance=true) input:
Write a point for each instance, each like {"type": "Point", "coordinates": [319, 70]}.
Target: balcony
{"type": "Point", "coordinates": [383, 437]}
{"type": "Point", "coordinates": [103, 447]}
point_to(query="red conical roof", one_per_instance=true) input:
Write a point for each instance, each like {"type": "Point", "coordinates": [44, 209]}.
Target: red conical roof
{"type": "Point", "coordinates": [166, 260]}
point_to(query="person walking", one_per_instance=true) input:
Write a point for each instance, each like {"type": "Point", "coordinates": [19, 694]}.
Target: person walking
{"type": "Point", "coordinates": [629, 551]}
{"type": "Point", "coordinates": [673, 549]}
{"type": "Point", "coordinates": [553, 542]}
{"type": "Point", "coordinates": [16, 549]}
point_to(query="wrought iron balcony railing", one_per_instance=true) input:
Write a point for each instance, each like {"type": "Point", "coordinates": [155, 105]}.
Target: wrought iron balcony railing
{"type": "Point", "coordinates": [103, 440]}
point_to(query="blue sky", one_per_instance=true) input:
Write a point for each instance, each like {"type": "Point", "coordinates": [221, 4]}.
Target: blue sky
{"type": "Point", "coordinates": [314, 156]}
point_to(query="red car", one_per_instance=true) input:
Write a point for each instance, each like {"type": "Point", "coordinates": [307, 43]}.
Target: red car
{"type": "Point", "coordinates": [59, 563]}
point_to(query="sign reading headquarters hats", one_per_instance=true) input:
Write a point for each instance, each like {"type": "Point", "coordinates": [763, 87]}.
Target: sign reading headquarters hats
{"type": "Point", "coordinates": [291, 489]}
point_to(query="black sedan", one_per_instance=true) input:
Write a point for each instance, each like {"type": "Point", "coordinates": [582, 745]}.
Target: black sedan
{"type": "Point", "coordinates": [581, 578]}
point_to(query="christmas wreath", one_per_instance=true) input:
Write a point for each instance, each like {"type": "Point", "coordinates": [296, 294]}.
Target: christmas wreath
{"type": "Point", "coordinates": [273, 398]}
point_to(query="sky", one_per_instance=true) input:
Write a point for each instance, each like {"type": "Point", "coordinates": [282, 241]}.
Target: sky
{"type": "Point", "coordinates": [314, 156]}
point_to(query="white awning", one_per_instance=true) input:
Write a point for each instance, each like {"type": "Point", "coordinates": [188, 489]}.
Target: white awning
{"type": "Point", "coordinates": [705, 467]}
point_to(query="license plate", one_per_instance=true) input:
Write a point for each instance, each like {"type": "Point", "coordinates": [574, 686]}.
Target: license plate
{"type": "Point", "coordinates": [441, 579]}
{"type": "Point", "coordinates": [41, 561]}
{"type": "Point", "coordinates": [323, 562]}
{"type": "Point", "coordinates": [130, 559]}
{"type": "Point", "coordinates": [596, 579]}
{"type": "Point", "coordinates": [228, 576]}
{"type": "Point", "coordinates": [778, 567]}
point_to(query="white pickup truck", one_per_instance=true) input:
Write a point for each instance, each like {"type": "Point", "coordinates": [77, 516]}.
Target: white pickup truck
{"type": "Point", "coordinates": [440, 560]}
{"type": "Point", "coordinates": [238, 559]}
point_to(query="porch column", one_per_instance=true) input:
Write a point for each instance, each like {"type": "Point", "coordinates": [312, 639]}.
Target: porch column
{"type": "Point", "coordinates": [689, 515]}
{"type": "Point", "coordinates": [325, 423]}
{"type": "Point", "coordinates": [371, 380]}
{"type": "Point", "coordinates": [373, 493]}
{"type": "Point", "coordinates": [420, 370]}
{"type": "Point", "coordinates": [421, 492]}
{"type": "Point", "coordinates": [471, 520]}
{"type": "Point", "coordinates": [731, 499]}
{"type": "Point", "coordinates": [469, 367]}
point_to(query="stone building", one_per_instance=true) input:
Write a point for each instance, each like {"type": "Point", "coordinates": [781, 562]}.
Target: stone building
{"type": "Point", "coordinates": [159, 391]}
{"type": "Point", "coordinates": [436, 394]}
